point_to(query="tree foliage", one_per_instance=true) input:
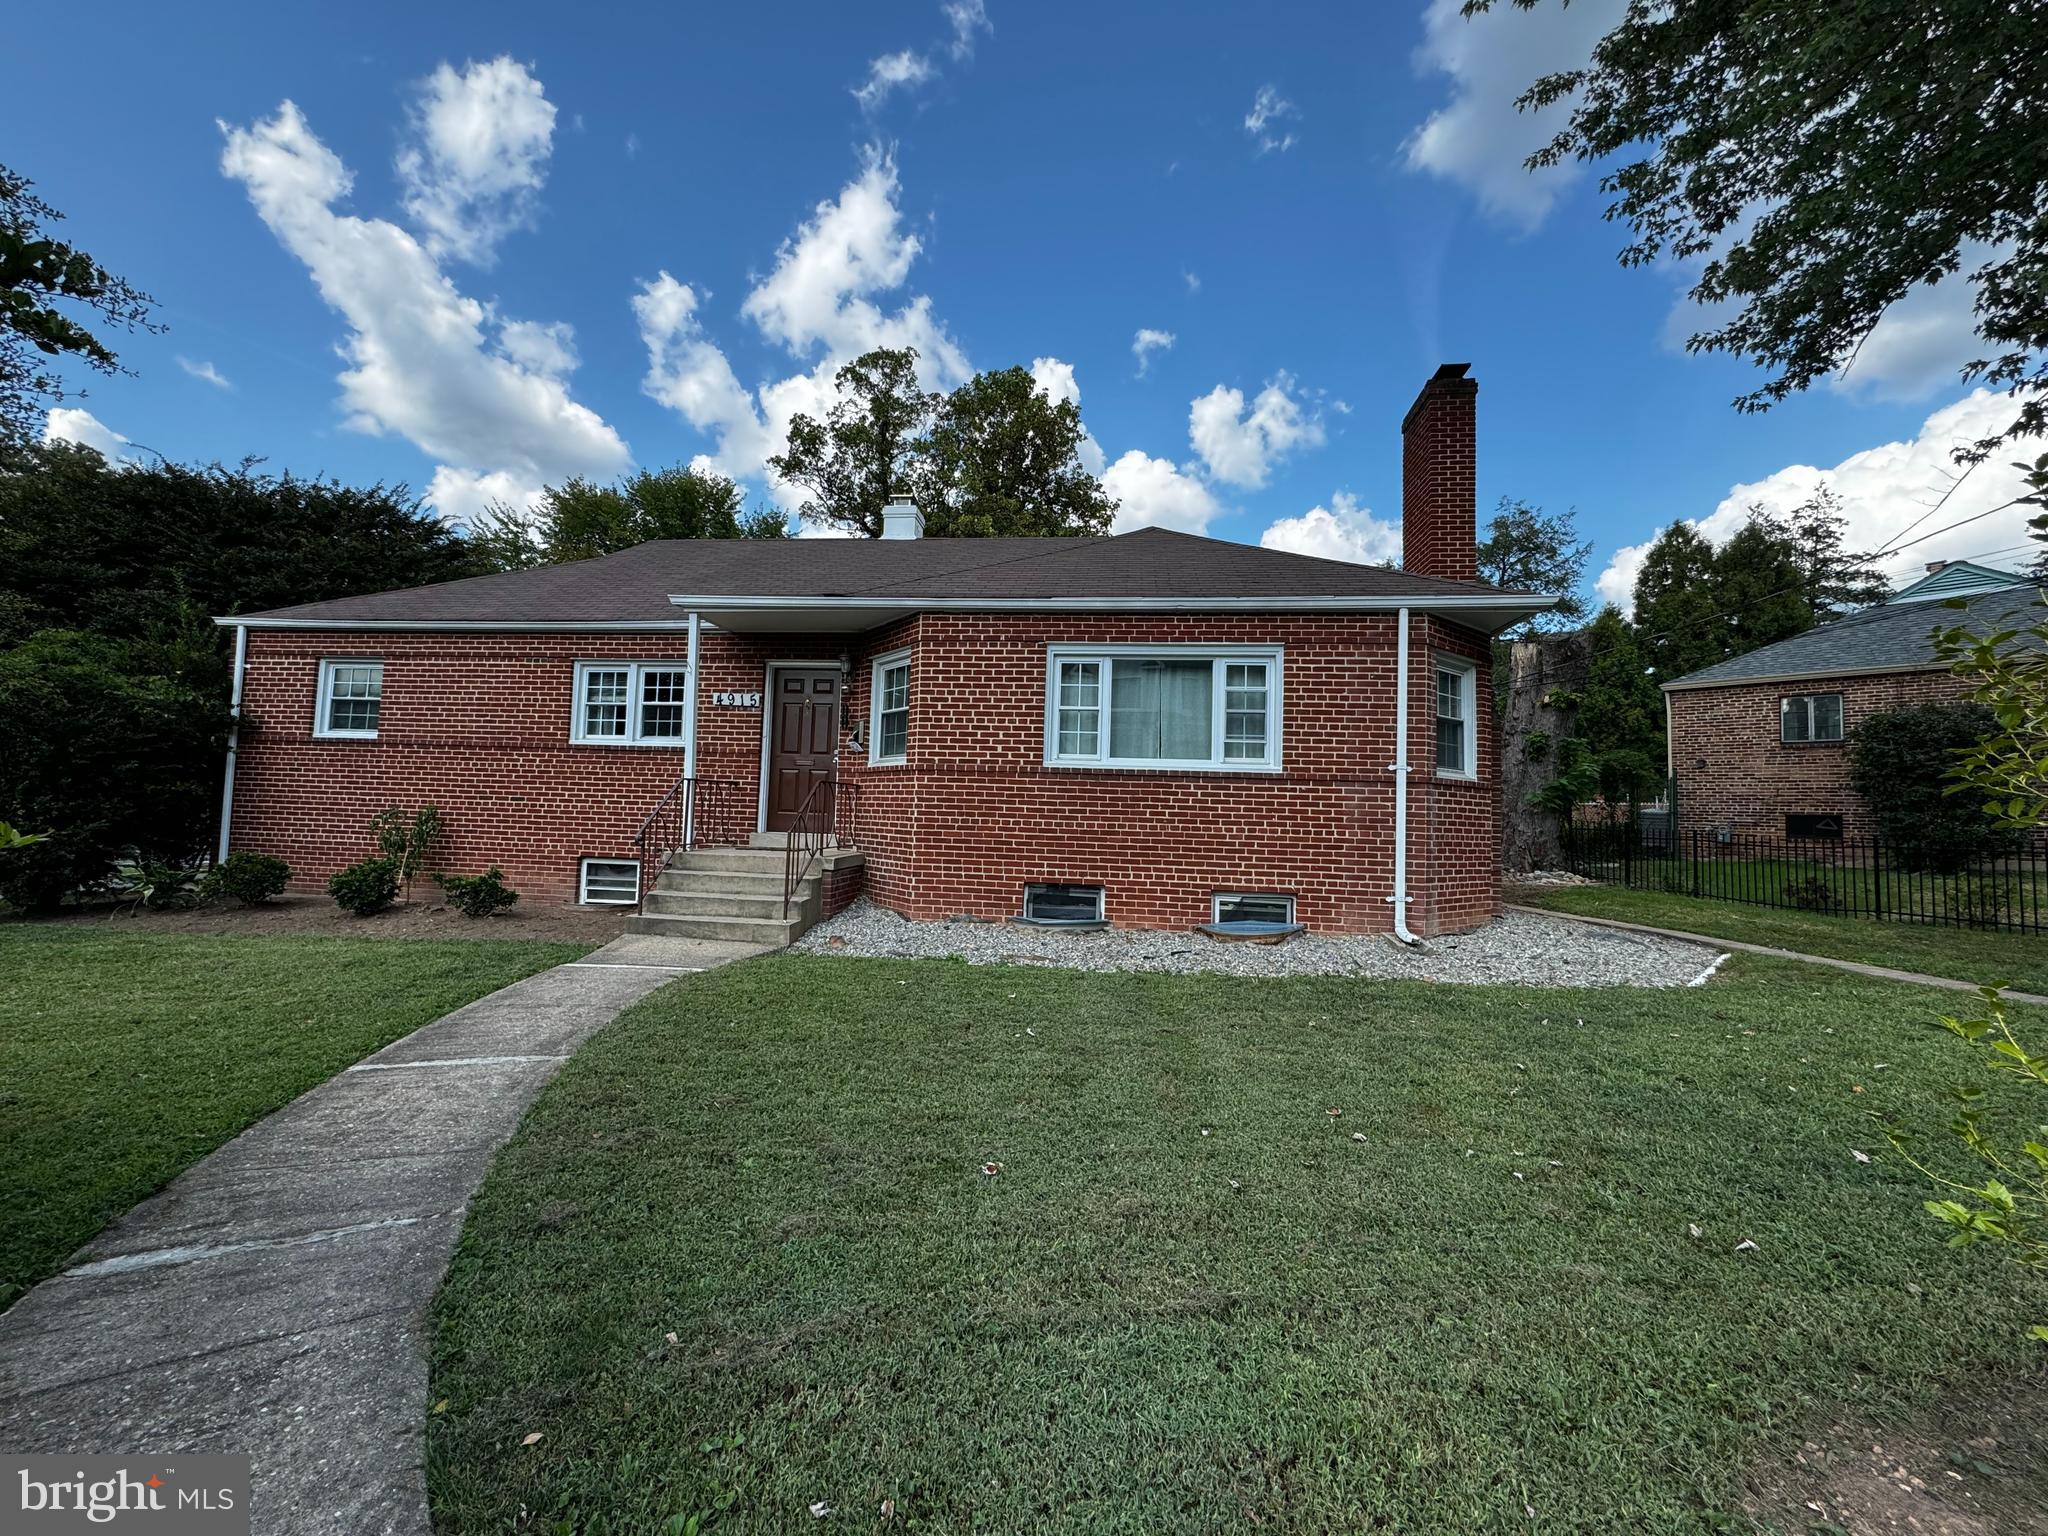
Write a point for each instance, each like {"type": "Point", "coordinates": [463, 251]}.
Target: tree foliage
{"type": "Point", "coordinates": [995, 457]}
{"type": "Point", "coordinates": [44, 282]}
{"type": "Point", "coordinates": [1003, 460]}
{"type": "Point", "coordinates": [1826, 159]}
{"type": "Point", "coordinates": [1758, 590]}
{"type": "Point", "coordinates": [1834, 578]}
{"type": "Point", "coordinates": [1621, 712]}
{"type": "Point", "coordinates": [866, 449]}
{"type": "Point", "coordinates": [1899, 763]}
{"type": "Point", "coordinates": [1529, 550]}
{"type": "Point", "coordinates": [580, 521]}
{"type": "Point", "coordinates": [1675, 611]}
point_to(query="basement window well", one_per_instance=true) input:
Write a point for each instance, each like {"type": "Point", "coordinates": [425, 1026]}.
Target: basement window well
{"type": "Point", "coordinates": [609, 882]}
{"type": "Point", "coordinates": [1063, 906]}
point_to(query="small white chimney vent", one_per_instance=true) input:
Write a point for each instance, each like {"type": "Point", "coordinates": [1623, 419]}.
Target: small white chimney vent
{"type": "Point", "coordinates": [901, 519]}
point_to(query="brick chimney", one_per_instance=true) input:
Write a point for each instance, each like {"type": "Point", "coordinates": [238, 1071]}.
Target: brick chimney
{"type": "Point", "coordinates": [1440, 478]}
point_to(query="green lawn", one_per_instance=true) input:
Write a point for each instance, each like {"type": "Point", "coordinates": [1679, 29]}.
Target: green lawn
{"type": "Point", "coordinates": [2011, 959]}
{"type": "Point", "coordinates": [1191, 1300]}
{"type": "Point", "coordinates": [125, 1058]}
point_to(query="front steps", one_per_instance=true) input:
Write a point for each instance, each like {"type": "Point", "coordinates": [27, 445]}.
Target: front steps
{"type": "Point", "coordinates": [735, 894]}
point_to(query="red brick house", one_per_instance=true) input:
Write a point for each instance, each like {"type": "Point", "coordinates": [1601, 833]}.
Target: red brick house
{"type": "Point", "coordinates": [1151, 729]}
{"type": "Point", "coordinates": [1759, 744]}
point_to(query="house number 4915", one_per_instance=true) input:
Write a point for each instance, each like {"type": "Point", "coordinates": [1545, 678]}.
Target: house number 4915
{"type": "Point", "coordinates": [738, 700]}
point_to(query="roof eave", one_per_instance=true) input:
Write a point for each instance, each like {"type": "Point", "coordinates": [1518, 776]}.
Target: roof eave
{"type": "Point", "coordinates": [1812, 674]}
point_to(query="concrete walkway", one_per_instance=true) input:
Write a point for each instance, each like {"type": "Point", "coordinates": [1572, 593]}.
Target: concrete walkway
{"type": "Point", "coordinates": [273, 1298]}
{"type": "Point", "coordinates": [1854, 967]}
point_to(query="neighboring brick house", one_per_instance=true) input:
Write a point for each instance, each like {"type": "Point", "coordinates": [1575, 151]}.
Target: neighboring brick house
{"type": "Point", "coordinates": [1759, 744]}
{"type": "Point", "coordinates": [1153, 729]}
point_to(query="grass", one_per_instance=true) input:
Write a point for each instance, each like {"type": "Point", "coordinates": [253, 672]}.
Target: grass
{"type": "Point", "coordinates": [125, 1058]}
{"type": "Point", "coordinates": [1965, 954]}
{"type": "Point", "coordinates": [741, 1257]}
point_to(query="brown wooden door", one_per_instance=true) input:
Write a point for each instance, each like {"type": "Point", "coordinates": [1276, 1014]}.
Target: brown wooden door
{"type": "Point", "coordinates": [803, 742]}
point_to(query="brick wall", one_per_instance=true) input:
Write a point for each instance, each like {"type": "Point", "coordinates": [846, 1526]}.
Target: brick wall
{"type": "Point", "coordinates": [1733, 771]}
{"type": "Point", "coordinates": [479, 725]}
{"type": "Point", "coordinates": [1440, 479]}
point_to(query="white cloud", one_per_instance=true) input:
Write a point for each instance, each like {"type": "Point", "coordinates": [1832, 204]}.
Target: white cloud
{"type": "Point", "coordinates": [1889, 495]}
{"type": "Point", "coordinates": [1920, 344]}
{"type": "Point", "coordinates": [1145, 343]}
{"type": "Point", "coordinates": [1055, 380]}
{"type": "Point", "coordinates": [892, 72]}
{"type": "Point", "coordinates": [1478, 138]}
{"type": "Point", "coordinates": [205, 372]}
{"type": "Point", "coordinates": [818, 303]}
{"type": "Point", "coordinates": [478, 157]}
{"type": "Point", "coordinates": [70, 424]}
{"type": "Point", "coordinates": [1157, 493]}
{"type": "Point", "coordinates": [424, 361]}
{"type": "Point", "coordinates": [1266, 122]}
{"type": "Point", "coordinates": [1194, 283]}
{"type": "Point", "coordinates": [1239, 447]}
{"type": "Point", "coordinates": [632, 146]}
{"type": "Point", "coordinates": [967, 18]}
{"type": "Point", "coordinates": [1341, 531]}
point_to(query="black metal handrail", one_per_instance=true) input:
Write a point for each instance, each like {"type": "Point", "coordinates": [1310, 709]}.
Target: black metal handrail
{"type": "Point", "coordinates": [807, 837]}
{"type": "Point", "coordinates": [692, 813]}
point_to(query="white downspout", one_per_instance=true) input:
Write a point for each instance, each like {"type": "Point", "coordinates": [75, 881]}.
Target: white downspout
{"type": "Point", "coordinates": [690, 701]}
{"type": "Point", "coordinates": [227, 788]}
{"type": "Point", "coordinates": [1400, 771]}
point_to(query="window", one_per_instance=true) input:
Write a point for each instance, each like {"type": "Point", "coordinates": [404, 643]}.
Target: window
{"type": "Point", "coordinates": [609, 882]}
{"type": "Point", "coordinates": [1806, 826]}
{"type": "Point", "coordinates": [889, 708]}
{"type": "Point", "coordinates": [1810, 717]}
{"type": "Point", "coordinates": [1163, 707]}
{"type": "Point", "coordinates": [631, 703]}
{"type": "Point", "coordinates": [1063, 903]}
{"type": "Point", "coordinates": [351, 698]}
{"type": "Point", "coordinates": [1457, 745]}
{"type": "Point", "coordinates": [1238, 907]}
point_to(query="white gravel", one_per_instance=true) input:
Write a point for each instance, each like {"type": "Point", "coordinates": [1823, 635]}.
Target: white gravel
{"type": "Point", "coordinates": [1515, 949]}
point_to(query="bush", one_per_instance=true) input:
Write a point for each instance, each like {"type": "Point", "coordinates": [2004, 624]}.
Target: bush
{"type": "Point", "coordinates": [1812, 894]}
{"type": "Point", "coordinates": [1899, 762]}
{"type": "Point", "coordinates": [404, 839]}
{"type": "Point", "coordinates": [158, 886]}
{"type": "Point", "coordinates": [248, 878]}
{"type": "Point", "coordinates": [364, 888]}
{"type": "Point", "coordinates": [478, 895]}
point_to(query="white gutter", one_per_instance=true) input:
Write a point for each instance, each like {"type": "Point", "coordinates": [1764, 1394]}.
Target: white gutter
{"type": "Point", "coordinates": [1452, 602]}
{"type": "Point", "coordinates": [690, 701]}
{"type": "Point", "coordinates": [1399, 768]}
{"type": "Point", "coordinates": [469, 626]}
{"type": "Point", "coordinates": [227, 788]}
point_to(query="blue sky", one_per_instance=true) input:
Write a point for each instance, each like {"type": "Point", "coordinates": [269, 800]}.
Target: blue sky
{"type": "Point", "coordinates": [487, 247]}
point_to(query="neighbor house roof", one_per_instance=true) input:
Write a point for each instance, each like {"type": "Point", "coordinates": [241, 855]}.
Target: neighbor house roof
{"type": "Point", "coordinates": [850, 583]}
{"type": "Point", "coordinates": [1887, 638]}
{"type": "Point", "coordinates": [1957, 578]}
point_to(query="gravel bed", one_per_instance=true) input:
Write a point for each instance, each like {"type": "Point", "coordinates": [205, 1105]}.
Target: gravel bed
{"type": "Point", "coordinates": [1515, 949]}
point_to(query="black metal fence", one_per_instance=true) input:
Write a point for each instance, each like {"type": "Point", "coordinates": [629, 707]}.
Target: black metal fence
{"type": "Point", "coordinates": [1846, 877]}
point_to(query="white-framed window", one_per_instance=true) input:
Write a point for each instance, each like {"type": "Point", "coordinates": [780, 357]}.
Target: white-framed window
{"type": "Point", "coordinates": [1250, 907]}
{"type": "Point", "coordinates": [1457, 725]}
{"type": "Point", "coordinates": [1810, 717]}
{"type": "Point", "coordinates": [889, 708]}
{"type": "Point", "coordinates": [608, 882]}
{"type": "Point", "coordinates": [630, 703]}
{"type": "Point", "coordinates": [1175, 706]}
{"type": "Point", "coordinates": [351, 698]}
{"type": "Point", "coordinates": [1063, 903]}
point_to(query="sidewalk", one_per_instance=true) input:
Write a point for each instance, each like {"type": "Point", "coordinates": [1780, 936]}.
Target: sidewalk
{"type": "Point", "coordinates": [272, 1300]}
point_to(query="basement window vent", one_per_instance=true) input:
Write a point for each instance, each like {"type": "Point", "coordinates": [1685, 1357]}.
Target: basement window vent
{"type": "Point", "coordinates": [1239, 907]}
{"type": "Point", "coordinates": [1062, 905]}
{"type": "Point", "coordinates": [1813, 826]}
{"type": "Point", "coordinates": [610, 882]}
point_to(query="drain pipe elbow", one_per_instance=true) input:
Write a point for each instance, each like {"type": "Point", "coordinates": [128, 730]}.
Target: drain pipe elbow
{"type": "Point", "coordinates": [1400, 771]}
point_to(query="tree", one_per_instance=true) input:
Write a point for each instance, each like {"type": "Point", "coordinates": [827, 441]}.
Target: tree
{"type": "Point", "coordinates": [126, 551]}
{"type": "Point", "coordinates": [1836, 579]}
{"type": "Point", "coordinates": [865, 450]}
{"type": "Point", "coordinates": [579, 521]}
{"type": "Point", "coordinates": [1544, 673]}
{"type": "Point", "coordinates": [1899, 763]}
{"type": "Point", "coordinates": [1679, 625]}
{"type": "Point", "coordinates": [38, 273]}
{"type": "Point", "coordinates": [1621, 711]}
{"type": "Point", "coordinates": [1003, 460]}
{"type": "Point", "coordinates": [1825, 160]}
{"type": "Point", "coordinates": [1529, 550]}
{"type": "Point", "coordinates": [1759, 589]}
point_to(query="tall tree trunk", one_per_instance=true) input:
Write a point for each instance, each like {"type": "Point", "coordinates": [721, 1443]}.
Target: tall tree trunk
{"type": "Point", "coordinates": [1534, 721]}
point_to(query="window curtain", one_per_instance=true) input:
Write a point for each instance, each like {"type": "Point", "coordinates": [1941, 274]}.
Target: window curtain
{"type": "Point", "coordinates": [1161, 709]}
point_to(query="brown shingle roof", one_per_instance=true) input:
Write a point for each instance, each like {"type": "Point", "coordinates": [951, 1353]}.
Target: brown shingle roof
{"type": "Point", "coordinates": [635, 585]}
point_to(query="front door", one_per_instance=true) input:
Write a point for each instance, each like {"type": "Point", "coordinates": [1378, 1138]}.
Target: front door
{"type": "Point", "coordinates": [803, 741]}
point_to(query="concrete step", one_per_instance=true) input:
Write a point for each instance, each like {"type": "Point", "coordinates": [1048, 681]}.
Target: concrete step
{"type": "Point", "coordinates": [780, 840]}
{"type": "Point", "coordinates": [767, 904]}
{"type": "Point", "coordinates": [736, 930]}
{"type": "Point", "coordinates": [738, 882]}
{"type": "Point", "coordinates": [739, 861]}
